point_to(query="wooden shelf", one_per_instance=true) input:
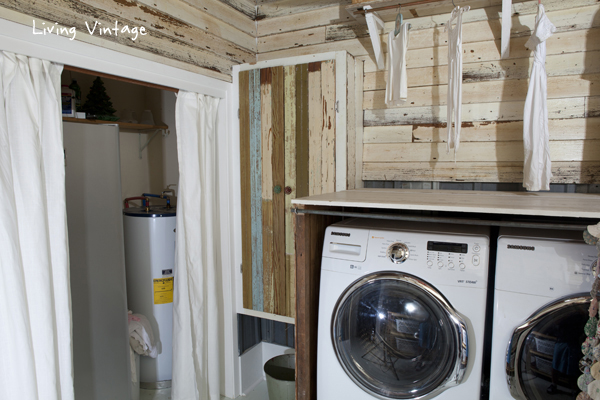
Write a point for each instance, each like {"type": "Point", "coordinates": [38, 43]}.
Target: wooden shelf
{"type": "Point", "coordinates": [122, 125]}
{"type": "Point", "coordinates": [516, 203]}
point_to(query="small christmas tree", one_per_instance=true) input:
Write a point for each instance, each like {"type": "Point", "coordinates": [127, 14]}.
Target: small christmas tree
{"type": "Point", "coordinates": [98, 103]}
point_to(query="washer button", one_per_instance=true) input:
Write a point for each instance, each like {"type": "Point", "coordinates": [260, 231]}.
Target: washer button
{"type": "Point", "coordinates": [462, 266]}
{"type": "Point", "coordinates": [429, 263]}
{"type": "Point", "coordinates": [476, 260]}
{"type": "Point", "coordinates": [451, 266]}
{"type": "Point", "coordinates": [440, 264]}
{"type": "Point", "coordinates": [476, 248]}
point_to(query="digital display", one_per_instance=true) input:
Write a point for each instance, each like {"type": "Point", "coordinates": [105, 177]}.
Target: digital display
{"type": "Point", "coordinates": [448, 247]}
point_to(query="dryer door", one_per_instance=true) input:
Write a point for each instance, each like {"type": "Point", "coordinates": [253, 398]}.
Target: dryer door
{"type": "Point", "coordinates": [397, 337]}
{"type": "Point", "coordinates": [542, 359]}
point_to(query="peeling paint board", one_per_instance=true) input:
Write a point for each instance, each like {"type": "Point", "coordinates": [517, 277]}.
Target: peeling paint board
{"type": "Point", "coordinates": [340, 158]}
{"type": "Point", "coordinates": [256, 190]}
{"type": "Point", "coordinates": [278, 165]}
{"type": "Point", "coordinates": [328, 121]}
{"type": "Point", "coordinates": [564, 150]}
{"type": "Point", "coordinates": [315, 126]}
{"type": "Point", "coordinates": [389, 134]}
{"type": "Point", "coordinates": [556, 65]}
{"type": "Point", "coordinates": [358, 100]}
{"type": "Point", "coordinates": [350, 163]}
{"type": "Point", "coordinates": [246, 7]}
{"type": "Point", "coordinates": [246, 190]}
{"type": "Point", "coordinates": [234, 17]}
{"type": "Point", "coordinates": [562, 172]}
{"type": "Point", "coordinates": [266, 120]}
{"type": "Point", "coordinates": [559, 129]}
{"type": "Point", "coordinates": [191, 14]}
{"type": "Point", "coordinates": [302, 132]}
{"type": "Point", "coordinates": [289, 40]}
{"type": "Point", "coordinates": [17, 17]}
{"type": "Point", "coordinates": [490, 92]}
{"type": "Point", "coordinates": [292, 7]}
{"type": "Point", "coordinates": [501, 111]}
{"type": "Point", "coordinates": [309, 19]}
{"type": "Point", "coordinates": [290, 181]}
{"type": "Point", "coordinates": [154, 42]}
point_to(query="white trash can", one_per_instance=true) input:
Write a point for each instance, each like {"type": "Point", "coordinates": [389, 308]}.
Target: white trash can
{"type": "Point", "coordinates": [281, 377]}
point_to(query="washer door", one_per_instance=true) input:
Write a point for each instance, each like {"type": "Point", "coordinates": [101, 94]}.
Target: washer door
{"type": "Point", "coordinates": [542, 359]}
{"type": "Point", "coordinates": [397, 337]}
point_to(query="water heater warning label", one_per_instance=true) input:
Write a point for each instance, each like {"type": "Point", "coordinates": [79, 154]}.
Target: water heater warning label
{"type": "Point", "coordinates": [163, 290]}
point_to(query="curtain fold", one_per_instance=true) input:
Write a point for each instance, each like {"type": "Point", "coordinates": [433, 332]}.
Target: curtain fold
{"type": "Point", "coordinates": [35, 304]}
{"type": "Point", "coordinates": [196, 341]}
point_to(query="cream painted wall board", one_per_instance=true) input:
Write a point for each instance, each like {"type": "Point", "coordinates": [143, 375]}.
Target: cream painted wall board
{"type": "Point", "coordinates": [287, 7]}
{"type": "Point", "coordinates": [315, 126]}
{"type": "Point", "coordinates": [572, 150]}
{"type": "Point", "coordinates": [351, 119]}
{"type": "Point", "coordinates": [388, 134]}
{"type": "Point", "coordinates": [328, 118]}
{"type": "Point", "coordinates": [358, 100]}
{"type": "Point", "coordinates": [305, 20]}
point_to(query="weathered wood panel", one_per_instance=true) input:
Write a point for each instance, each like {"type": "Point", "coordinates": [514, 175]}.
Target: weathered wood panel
{"type": "Point", "coordinates": [246, 190]}
{"type": "Point", "coordinates": [266, 122]}
{"type": "Point", "coordinates": [351, 110]}
{"type": "Point", "coordinates": [305, 37]}
{"type": "Point", "coordinates": [560, 129]}
{"type": "Point", "coordinates": [289, 7]}
{"type": "Point", "coordinates": [571, 150]}
{"type": "Point", "coordinates": [327, 119]}
{"type": "Point", "coordinates": [290, 182]}
{"type": "Point", "coordinates": [578, 107]}
{"type": "Point", "coordinates": [169, 40]}
{"type": "Point", "coordinates": [256, 188]}
{"type": "Point", "coordinates": [562, 172]}
{"type": "Point", "coordinates": [246, 7]}
{"type": "Point", "coordinates": [315, 126]}
{"type": "Point", "coordinates": [302, 132]}
{"type": "Point", "coordinates": [491, 91]}
{"type": "Point", "coordinates": [556, 65]}
{"type": "Point", "coordinates": [278, 166]}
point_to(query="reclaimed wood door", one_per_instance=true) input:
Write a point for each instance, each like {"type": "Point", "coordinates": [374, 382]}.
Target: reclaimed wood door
{"type": "Point", "coordinates": [287, 150]}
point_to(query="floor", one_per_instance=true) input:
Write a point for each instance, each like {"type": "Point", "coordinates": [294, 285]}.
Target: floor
{"type": "Point", "coordinates": [259, 393]}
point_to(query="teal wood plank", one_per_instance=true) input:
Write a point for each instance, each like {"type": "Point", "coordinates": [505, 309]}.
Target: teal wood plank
{"type": "Point", "coordinates": [256, 189]}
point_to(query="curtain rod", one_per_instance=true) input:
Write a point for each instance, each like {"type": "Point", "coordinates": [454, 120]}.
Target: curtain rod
{"type": "Point", "coordinates": [414, 3]}
{"type": "Point", "coordinates": [119, 78]}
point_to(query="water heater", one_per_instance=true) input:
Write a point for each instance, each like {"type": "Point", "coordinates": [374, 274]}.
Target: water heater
{"type": "Point", "coordinates": [149, 264]}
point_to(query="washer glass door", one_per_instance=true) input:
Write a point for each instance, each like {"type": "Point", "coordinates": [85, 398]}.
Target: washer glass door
{"type": "Point", "coordinates": [544, 352]}
{"type": "Point", "coordinates": [398, 338]}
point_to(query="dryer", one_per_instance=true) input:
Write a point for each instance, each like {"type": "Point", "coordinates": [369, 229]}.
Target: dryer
{"type": "Point", "coordinates": [541, 300]}
{"type": "Point", "coordinates": [401, 311]}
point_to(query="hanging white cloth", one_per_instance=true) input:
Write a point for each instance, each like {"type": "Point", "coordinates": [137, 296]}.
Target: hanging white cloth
{"type": "Point", "coordinates": [35, 304]}
{"type": "Point", "coordinates": [396, 90]}
{"type": "Point", "coordinates": [454, 99]}
{"type": "Point", "coordinates": [537, 166]}
{"type": "Point", "coordinates": [196, 341]}
{"type": "Point", "coordinates": [506, 27]}
{"type": "Point", "coordinates": [374, 24]}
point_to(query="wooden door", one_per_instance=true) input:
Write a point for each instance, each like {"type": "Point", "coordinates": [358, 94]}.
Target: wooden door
{"type": "Point", "coordinates": [287, 150]}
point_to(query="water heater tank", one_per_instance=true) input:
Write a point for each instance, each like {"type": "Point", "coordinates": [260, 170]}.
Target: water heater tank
{"type": "Point", "coordinates": [149, 264]}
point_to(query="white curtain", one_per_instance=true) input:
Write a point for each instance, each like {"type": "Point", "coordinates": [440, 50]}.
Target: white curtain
{"type": "Point", "coordinates": [35, 305]}
{"type": "Point", "coordinates": [196, 341]}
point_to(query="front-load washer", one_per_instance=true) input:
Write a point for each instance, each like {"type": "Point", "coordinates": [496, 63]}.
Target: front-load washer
{"type": "Point", "coordinates": [541, 299]}
{"type": "Point", "coordinates": [401, 311]}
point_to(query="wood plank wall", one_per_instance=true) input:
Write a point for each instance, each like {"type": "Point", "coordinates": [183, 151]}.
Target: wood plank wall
{"type": "Point", "coordinates": [408, 143]}
{"type": "Point", "coordinates": [203, 36]}
{"type": "Point", "coordinates": [287, 147]}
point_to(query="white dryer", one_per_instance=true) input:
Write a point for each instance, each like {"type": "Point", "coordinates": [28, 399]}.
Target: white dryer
{"type": "Point", "coordinates": [401, 311]}
{"type": "Point", "coordinates": [541, 299]}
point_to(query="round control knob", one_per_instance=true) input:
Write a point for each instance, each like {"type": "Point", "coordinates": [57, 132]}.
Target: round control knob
{"type": "Point", "coordinates": [430, 263]}
{"type": "Point", "coordinates": [398, 252]}
{"type": "Point", "coordinates": [450, 265]}
{"type": "Point", "coordinates": [462, 266]}
{"type": "Point", "coordinates": [440, 264]}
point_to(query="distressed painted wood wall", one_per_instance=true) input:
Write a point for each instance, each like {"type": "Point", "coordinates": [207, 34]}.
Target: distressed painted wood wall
{"type": "Point", "coordinates": [408, 143]}
{"type": "Point", "coordinates": [203, 36]}
{"type": "Point", "coordinates": [287, 148]}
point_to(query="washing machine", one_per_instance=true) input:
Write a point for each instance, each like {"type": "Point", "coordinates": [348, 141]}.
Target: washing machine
{"type": "Point", "coordinates": [401, 311]}
{"type": "Point", "coordinates": [541, 299]}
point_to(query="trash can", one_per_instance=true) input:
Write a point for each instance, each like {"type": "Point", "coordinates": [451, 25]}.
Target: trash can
{"type": "Point", "coordinates": [281, 377]}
